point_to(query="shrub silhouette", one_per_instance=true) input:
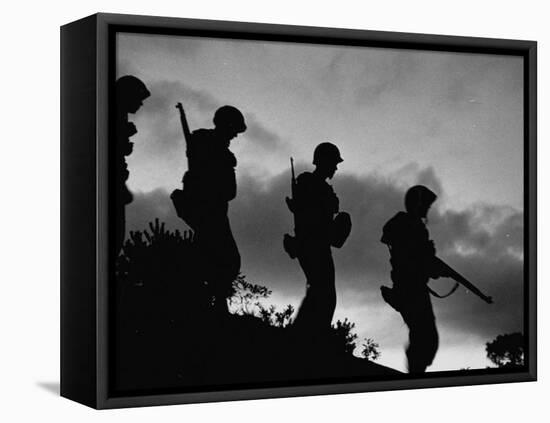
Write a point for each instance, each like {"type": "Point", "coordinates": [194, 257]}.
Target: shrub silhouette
{"type": "Point", "coordinates": [246, 296]}
{"type": "Point", "coordinates": [343, 336]}
{"type": "Point", "coordinates": [246, 302]}
{"type": "Point", "coordinates": [162, 262]}
{"type": "Point", "coordinates": [506, 350]}
{"type": "Point", "coordinates": [371, 350]}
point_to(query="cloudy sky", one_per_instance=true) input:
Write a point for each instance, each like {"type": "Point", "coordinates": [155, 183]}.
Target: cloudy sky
{"type": "Point", "coordinates": [451, 121]}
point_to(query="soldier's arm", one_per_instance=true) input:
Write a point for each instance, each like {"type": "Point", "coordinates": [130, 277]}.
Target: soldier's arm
{"type": "Point", "coordinates": [231, 186]}
{"type": "Point", "coordinates": [227, 175]}
{"type": "Point", "coordinates": [415, 251]}
{"type": "Point", "coordinates": [427, 252]}
{"type": "Point", "coordinates": [335, 202]}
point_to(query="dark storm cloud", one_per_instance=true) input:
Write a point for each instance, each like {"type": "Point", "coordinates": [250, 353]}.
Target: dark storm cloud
{"type": "Point", "coordinates": [428, 178]}
{"type": "Point", "coordinates": [484, 243]}
{"type": "Point", "coordinates": [165, 95]}
{"type": "Point", "coordinates": [488, 231]}
{"type": "Point", "coordinates": [160, 114]}
{"type": "Point", "coordinates": [263, 137]}
{"type": "Point", "coordinates": [159, 119]}
{"type": "Point", "coordinates": [260, 217]}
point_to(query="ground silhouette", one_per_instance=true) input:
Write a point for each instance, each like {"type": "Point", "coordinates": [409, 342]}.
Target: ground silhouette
{"type": "Point", "coordinates": [167, 336]}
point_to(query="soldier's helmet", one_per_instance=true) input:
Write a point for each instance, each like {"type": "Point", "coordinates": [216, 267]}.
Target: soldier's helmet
{"type": "Point", "coordinates": [419, 196]}
{"type": "Point", "coordinates": [229, 117]}
{"type": "Point", "coordinates": [326, 152]}
{"type": "Point", "coordinates": [131, 92]}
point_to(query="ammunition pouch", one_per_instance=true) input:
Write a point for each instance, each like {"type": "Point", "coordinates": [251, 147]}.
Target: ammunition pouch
{"type": "Point", "coordinates": [392, 297]}
{"type": "Point", "coordinates": [341, 228]}
{"type": "Point", "coordinates": [290, 203]}
{"type": "Point", "coordinates": [184, 206]}
{"type": "Point", "coordinates": [290, 244]}
{"type": "Point", "coordinates": [126, 197]}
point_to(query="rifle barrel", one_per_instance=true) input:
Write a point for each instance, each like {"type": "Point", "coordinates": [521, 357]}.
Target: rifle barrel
{"type": "Point", "coordinates": [184, 124]}
{"type": "Point", "coordinates": [293, 180]}
{"type": "Point", "coordinates": [464, 282]}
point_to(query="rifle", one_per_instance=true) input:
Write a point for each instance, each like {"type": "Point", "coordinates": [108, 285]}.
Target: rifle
{"type": "Point", "coordinates": [180, 197]}
{"type": "Point", "coordinates": [289, 242]}
{"type": "Point", "coordinates": [448, 271]}
{"type": "Point", "coordinates": [184, 125]}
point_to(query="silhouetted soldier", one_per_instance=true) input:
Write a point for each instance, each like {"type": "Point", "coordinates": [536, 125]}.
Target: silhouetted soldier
{"type": "Point", "coordinates": [315, 206]}
{"type": "Point", "coordinates": [130, 93]}
{"type": "Point", "coordinates": [209, 185]}
{"type": "Point", "coordinates": [412, 260]}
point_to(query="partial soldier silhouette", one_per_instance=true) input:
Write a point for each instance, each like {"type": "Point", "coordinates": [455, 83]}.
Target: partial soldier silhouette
{"type": "Point", "coordinates": [319, 226]}
{"type": "Point", "coordinates": [130, 93]}
{"type": "Point", "coordinates": [413, 264]}
{"type": "Point", "coordinates": [208, 186]}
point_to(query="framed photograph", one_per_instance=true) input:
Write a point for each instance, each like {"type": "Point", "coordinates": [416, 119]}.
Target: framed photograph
{"type": "Point", "coordinates": [257, 211]}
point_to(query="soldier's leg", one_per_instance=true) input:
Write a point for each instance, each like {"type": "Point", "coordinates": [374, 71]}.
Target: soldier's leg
{"type": "Point", "coordinates": [429, 334]}
{"type": "Point", "coordinates": [305, 316]}
{"type": "Point", "coordinates": [431, 341]}
{"type": "Point", "coordinates": [317, 308]}
{"type": "Point", "coordinates": [329, 291]}
{"type": "Point", "coordinates": [423, 336]}
{"type": "Point", "coordinates": [423, 343]}
{"type": "Point", "coordinates": [226, 262]}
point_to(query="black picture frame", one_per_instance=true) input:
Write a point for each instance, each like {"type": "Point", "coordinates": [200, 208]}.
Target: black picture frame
{"type": "Point", "coordinates": [87, 78]}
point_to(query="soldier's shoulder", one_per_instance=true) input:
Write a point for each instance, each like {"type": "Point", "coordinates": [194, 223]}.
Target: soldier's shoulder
{"type": "Point", "coordinates": [394, 227]}
{"type": "Point", "coordinates": [401, 219]}
{"type": "Point", "coordinates": [307, 181]}
{"type": "Point", "coordinates": [305, 178]}
{"type": "Point", "coordinates": [202, 133]}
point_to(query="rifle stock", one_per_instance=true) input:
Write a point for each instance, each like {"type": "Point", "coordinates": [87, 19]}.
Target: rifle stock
{"type": "Point", "coordinates": [453, 274]}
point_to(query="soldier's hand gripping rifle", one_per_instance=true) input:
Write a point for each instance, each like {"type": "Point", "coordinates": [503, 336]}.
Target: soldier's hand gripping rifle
{"type": "Point", "coordinates": [447, 271]}
{"type": "Point", "coordinates": [290, 242]}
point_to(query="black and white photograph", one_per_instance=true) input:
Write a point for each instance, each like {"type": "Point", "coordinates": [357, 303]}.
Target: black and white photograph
{"type": "Point", "coordinates": [272, 212]}
{"type": "Point", "coordinates": [291, 213]}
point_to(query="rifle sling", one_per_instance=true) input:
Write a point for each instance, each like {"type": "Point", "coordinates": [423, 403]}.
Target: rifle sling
{"type": "Point", "coordinates": [452, 291]}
